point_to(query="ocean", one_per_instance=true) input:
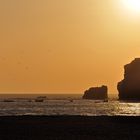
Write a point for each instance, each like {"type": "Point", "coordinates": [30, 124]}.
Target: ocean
{"type": "Point", "coordinates": [64, 104]}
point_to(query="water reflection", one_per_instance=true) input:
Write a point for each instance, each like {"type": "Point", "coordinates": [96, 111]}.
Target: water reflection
{"type": "Point", "coordinates": [65, 107]}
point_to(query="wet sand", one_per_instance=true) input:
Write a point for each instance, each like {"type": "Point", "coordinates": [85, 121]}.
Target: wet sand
{"type": "Point", "coordinates": [69, 127]}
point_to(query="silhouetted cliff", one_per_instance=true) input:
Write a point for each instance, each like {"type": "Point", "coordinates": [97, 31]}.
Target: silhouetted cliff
{"type": "Point", "coordinates": [96, 93]}
{"type": "Point", "coordinates": [129, 87]}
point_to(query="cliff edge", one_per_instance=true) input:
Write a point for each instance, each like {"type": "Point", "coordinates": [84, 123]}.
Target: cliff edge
{"type": "Point", "coordinates": [129, 87]}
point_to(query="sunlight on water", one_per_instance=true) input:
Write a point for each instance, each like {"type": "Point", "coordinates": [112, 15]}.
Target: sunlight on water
{"type": "Point", "coordinates": [65, 107]}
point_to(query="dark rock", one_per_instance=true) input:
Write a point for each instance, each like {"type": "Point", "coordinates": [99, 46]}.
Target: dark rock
{"type": "Point", "coordinates": [96, 93]}
{"type": "Point", "coordinates": [129, 87]}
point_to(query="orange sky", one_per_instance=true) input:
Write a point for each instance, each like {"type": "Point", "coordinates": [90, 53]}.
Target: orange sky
{"type": "Point", "coordinates": [65, 46]}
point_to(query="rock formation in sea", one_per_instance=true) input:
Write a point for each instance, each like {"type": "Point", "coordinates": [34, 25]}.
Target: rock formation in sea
{"type": "Point", "coordinates": [129, 87]}
{"type": "Point", "coordinates": [96, 93]}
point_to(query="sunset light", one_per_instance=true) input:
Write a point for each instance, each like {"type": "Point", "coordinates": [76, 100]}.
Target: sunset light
{"type": "Point", "coordinates": [69, 69]}
{"type": "Point", "coordinates": [132, 5]}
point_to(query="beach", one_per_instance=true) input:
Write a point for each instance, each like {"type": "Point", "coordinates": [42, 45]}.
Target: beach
{"type": "Point", "coordinates": [69, 127]}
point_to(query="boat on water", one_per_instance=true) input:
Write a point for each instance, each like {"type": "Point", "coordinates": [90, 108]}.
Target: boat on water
{"type": "Point", "coordinates": [8, 100]}
{"type": "Point", "coordinates": [71, 100]}
{"type": "Point", "coordinates": [40, 99]}
{"type": "Point", "coordinates": [105, 100]}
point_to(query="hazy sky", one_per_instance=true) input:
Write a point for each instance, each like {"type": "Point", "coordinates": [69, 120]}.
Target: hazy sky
{"type": "Point", "coordinates": [57, 46]}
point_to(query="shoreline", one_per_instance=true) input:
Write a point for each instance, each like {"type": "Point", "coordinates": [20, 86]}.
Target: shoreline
{"type": "Point", "coordinates": [69, 127]}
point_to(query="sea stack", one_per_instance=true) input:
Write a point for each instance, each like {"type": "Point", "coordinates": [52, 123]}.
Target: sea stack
{"type": "Point", "coordinates": [129, 87]}
{"type": "Point", "coordinates": [96, 93]}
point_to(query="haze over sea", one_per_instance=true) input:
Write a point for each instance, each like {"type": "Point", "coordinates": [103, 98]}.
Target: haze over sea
{"type": "Point", "coordinates": [65, 104]}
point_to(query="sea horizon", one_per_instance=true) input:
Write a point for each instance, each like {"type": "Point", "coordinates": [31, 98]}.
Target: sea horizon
{"type": "Point", "coordinates": [55, 95]}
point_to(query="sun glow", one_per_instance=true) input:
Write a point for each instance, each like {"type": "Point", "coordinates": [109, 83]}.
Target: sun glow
{"type": "Point", "coordinates": [132, 4]}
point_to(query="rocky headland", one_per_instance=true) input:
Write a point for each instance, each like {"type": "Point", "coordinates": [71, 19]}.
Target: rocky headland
{"type": "Point", "coordinates": [129, 87]}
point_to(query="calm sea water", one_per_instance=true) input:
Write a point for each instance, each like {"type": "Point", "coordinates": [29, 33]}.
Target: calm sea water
{"type": "Point", "coordinates": [65, 105]}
